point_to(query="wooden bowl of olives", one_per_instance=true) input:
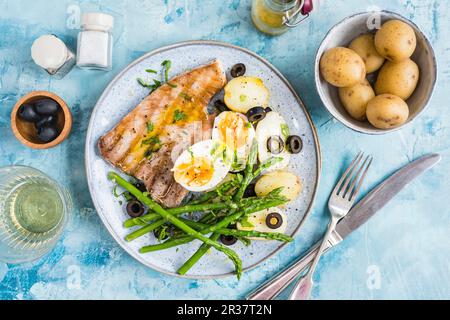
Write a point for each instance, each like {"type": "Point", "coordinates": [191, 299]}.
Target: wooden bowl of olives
{"type": "Point", "coordinates": [41, 120]}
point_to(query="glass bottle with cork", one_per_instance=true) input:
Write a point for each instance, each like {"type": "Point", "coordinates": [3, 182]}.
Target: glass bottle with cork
{"type": "Point", "coordinates": [275, 17]}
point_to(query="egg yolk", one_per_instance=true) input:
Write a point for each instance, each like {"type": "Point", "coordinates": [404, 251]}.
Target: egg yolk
{"type": "Point", "coordinates": [233, 131]}
{"type": "Point", "coordinates": [196, 173]}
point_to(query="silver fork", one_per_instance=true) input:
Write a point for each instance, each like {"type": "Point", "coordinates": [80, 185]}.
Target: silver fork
{"type": "Point", "coordinates": [340, 203]}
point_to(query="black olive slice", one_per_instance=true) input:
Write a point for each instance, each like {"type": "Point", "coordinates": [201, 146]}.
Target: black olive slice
{"type": "Point", "coordinates": [238, 70]}
{"type": "Point", "coordinates": [294, 144]}
{"type": "Point", "coordinates": [220, 106]}
{"type": "Point", "coordinates": [228, 240]}
{"type": "Point", "coordinates": [274, 220]}
{"type": "Point", "coordinates": [275, 144]}
{"type": "Point", "coordinates": [256, 114]}
{"type": "Point", "coordinates": [135, 209]}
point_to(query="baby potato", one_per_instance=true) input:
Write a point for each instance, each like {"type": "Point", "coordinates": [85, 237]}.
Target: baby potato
{"type": "Point", "coordinates": [364, 46]}
{"type": "Point", "coordinates": [387, 111]}
{"type": "Point", "coordinates": [244, 93]}
{"type": "Point", "coordinates": [399, 78]}
{"type": "Point", "coordinates": [396, 40]}
{"type": "Point", "coordinates": [355, 99]}
{"type": "Point", "coordinates": [342, 67]}
{"type": "Point", "coordinates": [292, 186]}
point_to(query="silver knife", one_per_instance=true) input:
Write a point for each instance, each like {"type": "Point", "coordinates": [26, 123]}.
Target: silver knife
{"type": "Point", "coordinates": [358, 215]}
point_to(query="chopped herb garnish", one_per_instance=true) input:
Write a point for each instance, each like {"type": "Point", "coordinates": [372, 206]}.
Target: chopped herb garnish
{"type": "Point", "coordinates": [179, 116]}
{"type": "Point", "coordinates": [115, 192]}
{"type": "Point", "coordinates": [143, 83]}
{"type": "Point", "coordinates": [172, 85]}
{"type": "Point", "coordinates": [185, 96]}
{"type": "Point", "coordinates": [242, 97]}
{"type": "Point", "coordinates": [249, 125]}
{"type": "Point", "coordinates": [285, 130]}
{"type": "Point", "coordinates": [151, 71]}
{"type": "Point", "coordinates": [167, 64]}
{"type": "Point", "coordinates": [148, 154]}
{"type": "Point", "coordinates": [156, 84]}
{"type": "Point", "coordinates": [152, 140]}
{"type": "Point", "coordinates": [191, 152]}
{"type": "Point", "coordinates": [127, 195]}
{"type": "Point", "coordinates": [150, 127]}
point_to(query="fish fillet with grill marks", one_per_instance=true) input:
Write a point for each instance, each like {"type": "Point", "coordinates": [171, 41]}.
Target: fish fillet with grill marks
{"type": "Point", "coordinates": [146, 142]}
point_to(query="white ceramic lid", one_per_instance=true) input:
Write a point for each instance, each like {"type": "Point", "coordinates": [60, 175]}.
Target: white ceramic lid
{"type": "Point", "coordinates": [49, 52]}
{"type": "Point", "coordinates": [97, 21]}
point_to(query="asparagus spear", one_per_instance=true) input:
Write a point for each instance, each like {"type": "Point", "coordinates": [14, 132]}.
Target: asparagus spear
{"type": "Point", "coordinates": [240, 233]}
{"type": "Point", "coordinates": [146, 228]}
{"type": "Point", "coordinates": [220, 225]}
{"type": "Point", "coordinates": [178, 211]}
{"type": "Point", "coordinates": [176, 222]}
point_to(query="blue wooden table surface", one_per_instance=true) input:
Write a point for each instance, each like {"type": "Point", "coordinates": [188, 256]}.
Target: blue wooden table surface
{"type": "Point", "coordinates": [402, 253]}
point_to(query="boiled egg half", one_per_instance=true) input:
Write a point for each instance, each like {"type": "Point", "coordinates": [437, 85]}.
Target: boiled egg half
{"type": "Point", "coordinates": [202, 167]}
{"type": "Point", "coordinates": [234, 131]}
{"type": "Point", "coordinates": [271, 135]}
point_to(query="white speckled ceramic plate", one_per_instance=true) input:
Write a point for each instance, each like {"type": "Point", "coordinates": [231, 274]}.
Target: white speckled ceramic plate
{"type": "Point", "coordinates": [124, 93]}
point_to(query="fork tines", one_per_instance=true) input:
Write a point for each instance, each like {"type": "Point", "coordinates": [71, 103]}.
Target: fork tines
{"type": "Point", "coordinates": [351, 181]}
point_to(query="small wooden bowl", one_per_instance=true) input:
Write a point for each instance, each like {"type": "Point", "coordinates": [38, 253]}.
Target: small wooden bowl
{"type": "Point", "coordinates": [26, 132]}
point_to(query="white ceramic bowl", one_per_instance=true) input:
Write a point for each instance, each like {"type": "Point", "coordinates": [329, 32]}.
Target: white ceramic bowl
{"type": "Point", "coordinates": [341, 35]}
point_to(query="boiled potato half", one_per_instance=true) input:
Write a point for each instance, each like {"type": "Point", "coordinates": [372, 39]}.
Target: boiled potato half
{"type": "Point", "coordinates": [257, 222]}
{"type": "Point", "coordinates": [396, 40]}
{"type": "Point", "coordinates": [387, 111]}
{"type": "Point", "coordinates": [355, 99]}
{"type": "Point", "coordinates": [364, 46]}
{"type": "Point", "coordinates": [244, 93]}
{"type": "Point", "coordinates": [342, 67]}
{"type": "Point", "coordinates": [398, 78]}
{"type": "Point", "coordinates": [292, 185]}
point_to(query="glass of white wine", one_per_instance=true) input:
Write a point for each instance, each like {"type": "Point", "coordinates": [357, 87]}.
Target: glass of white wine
{"type": "Point", "coordinates": [34, 210]}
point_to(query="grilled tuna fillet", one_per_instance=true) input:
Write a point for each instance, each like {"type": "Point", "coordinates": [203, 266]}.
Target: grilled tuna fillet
{"type": "Point", "coordinates": [146, 143]}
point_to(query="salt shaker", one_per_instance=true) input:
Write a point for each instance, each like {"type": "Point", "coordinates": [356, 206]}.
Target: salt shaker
{"type": "Point", "coordinates": [95, 41]}
{"type": "Point", "coordinates": [50, 53]}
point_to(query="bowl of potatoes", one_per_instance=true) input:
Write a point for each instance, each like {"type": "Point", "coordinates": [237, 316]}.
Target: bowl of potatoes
{"type": "Point", "coordinates": [375, 72]}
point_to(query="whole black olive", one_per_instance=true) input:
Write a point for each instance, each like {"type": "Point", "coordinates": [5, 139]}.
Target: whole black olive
{"type": "Point", "coordinates": [238, 70]}
{"type": "Point", "coordinates": [47, 133]}
{"type": "Point", "coordinates": [141, 186]}
{"type": "Point", "coordinates": [268, 109]}
{"type": "Point", "coordinates": [256, 114]}
{"type": "Point", "coordinates": [46, 121]}
{"type": "Point", "coordinates": [250, 191]}
{"type": "Point", "coordinates": [228, 240]}
{"type": "Point", "coordinates": [294, 144]}
{"type": "Point", "coordinates": [135, 209]}
{"type": "Point", "coordinates": [274, 220]}
{"type": "Point", "coordinates": [275, 144]}
{"type": "Point", "coordinates": [47, 107]}
{"type": "Point", "coordinates": [27, 112]}
{"type": "Point", "coordinates": [220, 106]}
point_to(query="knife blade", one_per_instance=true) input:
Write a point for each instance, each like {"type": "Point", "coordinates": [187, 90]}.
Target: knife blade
{"type": "Point", "coordinates": [358, 215]}
{"type": "Point", "coordinates": [383, 193]}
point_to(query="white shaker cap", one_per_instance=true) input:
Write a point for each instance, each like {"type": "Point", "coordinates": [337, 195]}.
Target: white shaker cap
{"type": "Point", "coordinates": [49, 52]}
{"type": "Point", "coordinates": [97, 21]}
